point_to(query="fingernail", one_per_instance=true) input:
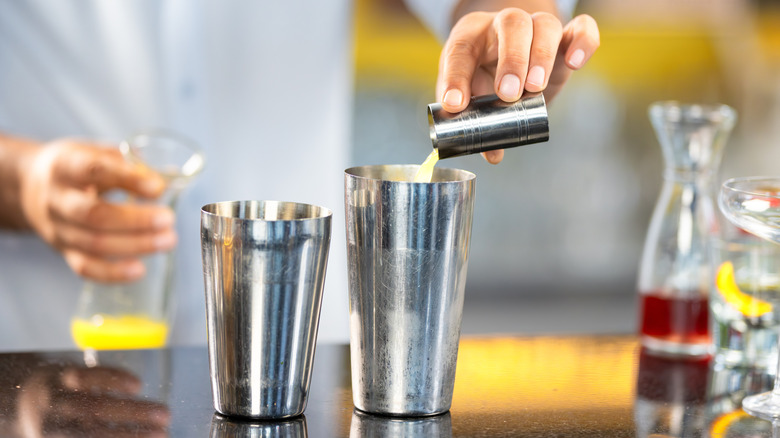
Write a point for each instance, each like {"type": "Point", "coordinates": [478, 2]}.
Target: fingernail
{"type": "Point", "coordinates": [160, 417]}
{"type": "Point", "coordinates": [165, 241]}
{"type": "Point", "coordinates": [453, 97]}
{"type": "Point", "coordinates": [577, 58]}
{"type": "Point", "coordinates": [509, 87]}
{"type": "Point", "coordinates": [134, 270]}
{"type": "Point", "coordinates": [152, 185]}
{"type": "Point", "coordinates": [536, 76]}
{"type": "Point", "coordinates": [163, 219]}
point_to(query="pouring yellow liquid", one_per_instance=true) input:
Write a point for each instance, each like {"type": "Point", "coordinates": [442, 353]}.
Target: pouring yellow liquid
{"type": "Point", "coordinates": [425, 173]}
{"type": "Point", "coordinates": [104, 332]}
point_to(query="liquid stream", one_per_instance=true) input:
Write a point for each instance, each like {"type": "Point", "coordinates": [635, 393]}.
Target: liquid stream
{"type": "Point", "coordinates": [425, 173]}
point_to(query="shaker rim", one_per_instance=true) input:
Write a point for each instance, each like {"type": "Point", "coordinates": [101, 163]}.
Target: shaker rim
{"type": "Point", "coordinates": [318, 212]}
{"type": "Point", "coordinates": [355, 172]}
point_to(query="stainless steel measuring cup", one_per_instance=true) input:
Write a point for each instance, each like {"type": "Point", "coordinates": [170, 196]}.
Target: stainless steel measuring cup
{"type": "Point", "coordinates": [488, 123]}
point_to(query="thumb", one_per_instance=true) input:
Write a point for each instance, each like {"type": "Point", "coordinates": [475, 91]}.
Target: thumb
{"type": "Point", "coordinates": [83, 164]}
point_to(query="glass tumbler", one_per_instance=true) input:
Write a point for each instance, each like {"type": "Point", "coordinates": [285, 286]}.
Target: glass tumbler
{"type": "Point", "coordinates": [138, 314]}
{"type": "Point", "coordinates": [745, 301]}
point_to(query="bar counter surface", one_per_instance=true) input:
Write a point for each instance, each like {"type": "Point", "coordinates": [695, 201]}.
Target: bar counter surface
{"type": "Point", "coordinates": [562, 386]}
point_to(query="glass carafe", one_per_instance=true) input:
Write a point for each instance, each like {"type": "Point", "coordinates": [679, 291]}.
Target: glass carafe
{"type": "Point", "coordinates": [675, 274]}
{"type": "Point", "coordinates": [138, 314]}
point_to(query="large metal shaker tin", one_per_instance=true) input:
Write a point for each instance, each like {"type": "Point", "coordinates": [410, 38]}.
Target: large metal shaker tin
{"type": "Point", "coordinates": [488, 123]}
{"type": "Point", "coordinates": [407, 253]}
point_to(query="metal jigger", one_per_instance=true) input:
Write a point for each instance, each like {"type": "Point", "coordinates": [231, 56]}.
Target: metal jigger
{"type": "Point", "coordinates": [488, 123]}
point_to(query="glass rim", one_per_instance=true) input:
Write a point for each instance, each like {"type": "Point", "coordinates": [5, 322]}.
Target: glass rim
{"type": "Point", "coordinates": [701, 111]}
{"type": "Point", "coordinates": [731, 184]}
{"type": "Point", "coordinates": [191, 167]}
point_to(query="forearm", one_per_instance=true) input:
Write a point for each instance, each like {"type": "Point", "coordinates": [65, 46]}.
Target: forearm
{"type": "Point", "coordinates": [531, 6]}
{"type": "Point", "coordinates": [15, 155]}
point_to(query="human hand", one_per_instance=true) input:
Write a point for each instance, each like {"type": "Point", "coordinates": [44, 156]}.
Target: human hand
{"type": "Point", "coordinates": [508, 52]}
{"type": "Point", "coordinates": [78, 401]}
{"type": "Point", "coordinates": [60, 190]}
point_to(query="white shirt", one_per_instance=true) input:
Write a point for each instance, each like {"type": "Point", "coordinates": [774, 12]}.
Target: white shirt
{"type": "Point", "coordinates": [264, 87]}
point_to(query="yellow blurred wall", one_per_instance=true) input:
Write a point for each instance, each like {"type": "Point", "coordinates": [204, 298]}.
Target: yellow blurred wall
{"type": "Point", "coordinates": [677, 50]}
{"type": "Point", "coordinates": [392, 48]}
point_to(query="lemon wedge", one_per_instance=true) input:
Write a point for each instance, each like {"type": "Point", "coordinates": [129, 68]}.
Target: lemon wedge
{"type": "Point", "coordinates": [721, 425]}
{"type": "Point", "coordinates": [746, 304]}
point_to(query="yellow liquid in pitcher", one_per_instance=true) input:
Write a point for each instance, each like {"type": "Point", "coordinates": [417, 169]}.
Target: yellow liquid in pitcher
{"type": "Point", "coordinates": [426, 168]}
{"type": "Point", "coordinates": [103, 332]}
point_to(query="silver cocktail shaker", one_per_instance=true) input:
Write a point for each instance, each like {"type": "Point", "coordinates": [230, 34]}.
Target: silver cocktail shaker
{"type": "Point", "coordinates": [488, 123]}
{"type": "Point", "coordinates": [264, 268]}
{"type": "Point", "coordinates": [407, 252]}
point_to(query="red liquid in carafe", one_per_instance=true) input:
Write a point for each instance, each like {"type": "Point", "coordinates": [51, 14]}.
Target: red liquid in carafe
{"type": "Point", "coordinates": [672, 319]}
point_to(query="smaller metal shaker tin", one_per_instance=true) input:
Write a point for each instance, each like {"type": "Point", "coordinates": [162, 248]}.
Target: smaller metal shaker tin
{"type": "Point", "coordinates": [488, 123]}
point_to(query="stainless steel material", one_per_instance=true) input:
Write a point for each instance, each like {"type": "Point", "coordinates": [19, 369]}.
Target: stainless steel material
{"type": "Point", "coordinates": [264, 268]}
{"type": "Point", "coordinates": [488, 123]}
{"type": "Point", "coordinates": [377, 426]}
{"type": "Point", "coordinates": [229, 427]}
{"type": "Point", "coordinates": [407, 251]}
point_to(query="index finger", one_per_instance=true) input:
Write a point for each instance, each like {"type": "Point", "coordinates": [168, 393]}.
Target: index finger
{"type": "Point", "coordinates": [84, 165]}
{"type": "Point", "coordinates": [461, 56]}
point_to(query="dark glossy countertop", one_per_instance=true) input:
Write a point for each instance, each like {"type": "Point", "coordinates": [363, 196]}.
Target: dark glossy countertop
{"type": "Point", "coordinates": [578, 386]}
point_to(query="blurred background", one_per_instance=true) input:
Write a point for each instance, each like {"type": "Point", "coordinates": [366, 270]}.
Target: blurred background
{"type": "Point", "coordinates": [559, 226]}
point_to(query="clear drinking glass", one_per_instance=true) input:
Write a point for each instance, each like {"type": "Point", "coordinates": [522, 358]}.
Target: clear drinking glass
{"type": "Point", "coordinates": [745, 300]}
{"type": "Point", "coordinates": [753, 204]}
{"type": "Point", "coordinates": [138, 314]}
{"type": "Point", "coordinates": [674, 275]}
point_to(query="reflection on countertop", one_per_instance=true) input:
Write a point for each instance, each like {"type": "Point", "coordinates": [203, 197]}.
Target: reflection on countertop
{"type": "Point", "coordinates": [539, 386]}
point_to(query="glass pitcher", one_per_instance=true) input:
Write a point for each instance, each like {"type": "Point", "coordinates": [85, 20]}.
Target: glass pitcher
{"type": "Point", "coordinates": [138, 314]}
{"type": "Point", "coordinates": [675, 272]}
